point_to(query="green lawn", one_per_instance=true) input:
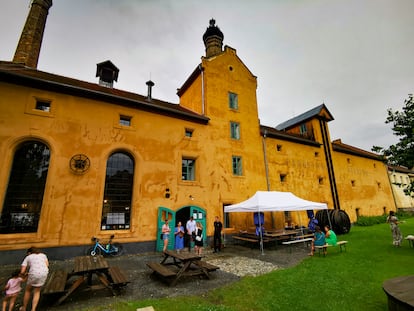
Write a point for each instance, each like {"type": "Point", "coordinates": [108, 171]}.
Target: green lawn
{"type": "Point", "coordinates": [340, 281]}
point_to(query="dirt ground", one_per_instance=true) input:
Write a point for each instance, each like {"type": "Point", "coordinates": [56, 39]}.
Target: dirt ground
{"type": "Point", "coordinates": [145, 285]}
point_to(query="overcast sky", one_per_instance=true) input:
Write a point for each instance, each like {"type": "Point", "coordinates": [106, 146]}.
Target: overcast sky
{"type": "Point", "coordinates": [356, 56]}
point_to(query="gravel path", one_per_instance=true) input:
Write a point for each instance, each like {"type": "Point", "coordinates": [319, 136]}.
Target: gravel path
{"type": "Point", "coordinates": [234, 262]}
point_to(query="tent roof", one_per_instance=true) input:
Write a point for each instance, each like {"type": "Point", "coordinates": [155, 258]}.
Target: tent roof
{"type": "Point", "coordinates": [267, 201]}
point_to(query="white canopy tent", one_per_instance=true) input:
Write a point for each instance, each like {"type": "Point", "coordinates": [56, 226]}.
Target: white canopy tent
{"type": "Point", "coordinates": [273, 201]}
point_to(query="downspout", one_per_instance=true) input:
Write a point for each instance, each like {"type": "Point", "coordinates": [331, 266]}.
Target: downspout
{"type": "Point", "coordinates": [202, 89]}
{"type": "Point", "coordinates": [267, 171]}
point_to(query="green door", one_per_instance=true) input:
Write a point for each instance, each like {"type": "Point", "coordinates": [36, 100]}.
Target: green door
{"type": "Point", "coordinates": [199, 215]}
{"type": "Point", "coordinates": [165, 213]}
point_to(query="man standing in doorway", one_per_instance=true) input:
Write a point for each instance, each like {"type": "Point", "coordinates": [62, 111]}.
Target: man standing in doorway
{"type": "Point", "coordinates": [190, 229]}
{"type": "Point", "coordinates": [218, 226]}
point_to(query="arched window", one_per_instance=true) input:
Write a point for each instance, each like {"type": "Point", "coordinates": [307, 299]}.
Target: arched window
{"type": "Point", "coordinates": [116, 208]}
{"type": "Point", "coordinates": [24, 196]}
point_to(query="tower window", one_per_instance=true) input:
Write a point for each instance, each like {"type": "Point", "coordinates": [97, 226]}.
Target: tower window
{"type": "Point", "coordinates": [233, 101]}
{"type": "Point", "coordinates": [235, 130]}
{"type": "Point", "coordinates": [188, 169]}
{"type": "Point", "coordinates": [282, 177]}
{"type": "Point", "coordinates": [279, 147]}
{"type": "Point", "coordinates": [237, 166]}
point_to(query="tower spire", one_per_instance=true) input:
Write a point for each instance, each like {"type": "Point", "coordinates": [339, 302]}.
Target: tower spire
{"type": "Point", "coordinates": [28, 48]}
{"type": "Point", "coordinates": [213, 39]}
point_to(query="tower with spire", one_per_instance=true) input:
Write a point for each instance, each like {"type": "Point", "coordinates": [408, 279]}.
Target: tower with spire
{"type": "Point", "coordinates": [28, 48]}
{"type": "Point", "coordinates": [213, 39]}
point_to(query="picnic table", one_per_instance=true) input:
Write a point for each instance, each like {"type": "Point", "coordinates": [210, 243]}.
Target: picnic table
{"type": "Point", "coordinates": [176, 265]}
{"type": "Point", "coordinates": [85, 267]}
{"type": "Point", "coordinates": [400, 291]}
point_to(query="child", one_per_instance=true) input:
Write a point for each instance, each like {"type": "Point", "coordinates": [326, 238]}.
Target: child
{"type": "Point", "coordinates": [12, 289]}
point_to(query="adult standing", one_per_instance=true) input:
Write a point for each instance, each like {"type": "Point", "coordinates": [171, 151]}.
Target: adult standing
{"type": "Point", "coordinates": [36, 265]}
{"type": "Point", "coordinates": [179, 237]}
{"type": "Point", "coordinates": [218, 227]}
{"type": "Point", "coordinates": [395, 229]}
{"type": "Point", "coordinates": [190, 228]}
{"type": "Point", "coordinates": [198, 241]}
{"type": "Point", "coordinates": [165, 234]}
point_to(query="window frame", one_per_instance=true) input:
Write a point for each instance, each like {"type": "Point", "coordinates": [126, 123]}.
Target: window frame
{"type": "Point", "coordinates": [237, 165]}
{"type": "Point", "coordinates": [234, 130]}
{"type": "Point", "coordinates": [190, 170]}
{"type": "Point", "coordinates": [233, 101]}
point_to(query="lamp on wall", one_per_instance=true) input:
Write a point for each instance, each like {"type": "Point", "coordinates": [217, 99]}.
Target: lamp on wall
{"type": "Point", "coordinates": [191, 197]}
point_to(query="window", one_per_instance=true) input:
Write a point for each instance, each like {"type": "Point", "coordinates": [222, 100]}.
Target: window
{"type": "Point", "coordinates": [189, 132]}
{"type": "Point", "coordinates": [188, 169]}
{"type": "Point", "coordinates": [348, 160]}
{"type": "Point", "coordinates": [233, 101]}
{"type": "Point", "coordinates": [320, 180]}
{"type": "Point", "coordinates": [282, 177]}
{"type": "Point", "coordinates": [353, 183]}
{"type": "Point", "coordinates": [316, 154]}
{"type": "Point", "coordinates": [303, 129]}
{"type": "Point", "coordinates": [125, 120]}
{"type": "Point", "coordinates": [237, 166]}
{"type": "Point", "coordinates": [24, 196]}
{"type": "Point", "coordinates": [279, 147]}
{"type": "Point", "coordinates": [234, 130]}
{"type": "Point", "coordinates": [42, 105]}
{"type": "Point", "coordinates": [116, 207]}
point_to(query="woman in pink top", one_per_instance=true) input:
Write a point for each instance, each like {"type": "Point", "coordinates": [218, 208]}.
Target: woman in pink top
{"type": "Point", "coordinates": [12, 290]}
{"type": "Point", "coordinates": [36, 265]}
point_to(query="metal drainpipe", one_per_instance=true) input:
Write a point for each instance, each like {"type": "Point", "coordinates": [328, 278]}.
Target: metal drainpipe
{"type": "Point", "coordinates": [267, 171]}
{"type": "Point", "coordinates": [202, 89]}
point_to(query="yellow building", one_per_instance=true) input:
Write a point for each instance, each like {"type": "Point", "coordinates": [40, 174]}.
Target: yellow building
{"type": "Point", "coordinates": [83, 159]}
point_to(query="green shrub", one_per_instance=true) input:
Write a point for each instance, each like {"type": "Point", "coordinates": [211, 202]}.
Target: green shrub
{"type": "Point", "coordinates": [371, 220]}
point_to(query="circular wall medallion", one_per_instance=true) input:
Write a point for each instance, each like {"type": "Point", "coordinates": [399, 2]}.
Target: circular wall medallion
{"type": "Point", "coordinates": [79, 163]}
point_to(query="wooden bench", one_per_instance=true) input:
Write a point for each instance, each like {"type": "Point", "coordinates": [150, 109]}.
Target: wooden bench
{"type": "Point", "coordinates": [341, 244]}
{"type": "Point", "coordinates": [117, 277]}
{"type": "Point", "coordinates": [161, 269]}
{"type": "Point", "coordinates": [208, 266]}
{"type": "Point", "coordinates": [56, 282]}
{"type": "Point", "coordinates": [291, 242]}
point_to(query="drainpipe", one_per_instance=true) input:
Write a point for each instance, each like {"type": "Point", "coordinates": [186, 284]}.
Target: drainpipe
{"type": "Point", "coordinates": [202, 89]}
{"type": "Point", "coordinates": [267, 170]}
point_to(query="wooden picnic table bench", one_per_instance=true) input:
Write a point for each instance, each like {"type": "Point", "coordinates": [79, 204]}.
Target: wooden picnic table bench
{"type": "Point", "coordinates": [55, 283]}
{"type": "Point", "coordinates": [117, 277]}
{"type": "Point", "coordinates": [341, 244]}
{"type": "Point", "coordinates": [292, 242]}
{"type": "Point", "coordinates": [183, 264]}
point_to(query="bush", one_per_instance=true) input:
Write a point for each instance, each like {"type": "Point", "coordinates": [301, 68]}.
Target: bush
{"type": "Point", "coordinates": [371, 220]}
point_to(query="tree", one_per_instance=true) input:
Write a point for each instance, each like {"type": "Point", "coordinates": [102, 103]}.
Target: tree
{"type": "Point", "coordinates": [402, 153]}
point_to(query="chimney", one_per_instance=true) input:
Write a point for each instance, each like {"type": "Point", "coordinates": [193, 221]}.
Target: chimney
{"type": "Point", "coordinates": [150, 85]}
{"type": "Point", "coordinates": [107, 73]}
{"type": "Point", "coordinates": [28, 48]}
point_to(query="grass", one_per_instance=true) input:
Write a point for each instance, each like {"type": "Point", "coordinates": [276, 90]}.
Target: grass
{"type": "Point", "coordinates": [341, 281]}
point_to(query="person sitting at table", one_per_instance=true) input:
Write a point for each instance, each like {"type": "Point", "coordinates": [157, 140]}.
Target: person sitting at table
{"type": "Point", "coordinates": [198, 239]}
{"type": "Point", "coordinates": [330, 236]}
{"type": "Point", "coordinates": [179, 237]}
{"type": "Point", "coordinates": [318, 239]}
{"type": "Point", "coordinates": [165, 234]}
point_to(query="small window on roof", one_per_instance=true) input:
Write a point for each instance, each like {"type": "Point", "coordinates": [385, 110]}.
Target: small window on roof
{"type": "Point", "coordinates": [189, 132]}
{"type": "Point", "coordinates": [42, 105]}
{"type": "Point", "coordinates": [125, 120]}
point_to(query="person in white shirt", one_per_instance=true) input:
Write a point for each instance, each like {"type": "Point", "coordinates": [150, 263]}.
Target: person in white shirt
{"type": "Point", "coordinates": [190, 229]}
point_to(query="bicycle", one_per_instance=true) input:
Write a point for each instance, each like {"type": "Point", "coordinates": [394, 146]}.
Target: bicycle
{"type": "Point", "coordinates": [112, 249]}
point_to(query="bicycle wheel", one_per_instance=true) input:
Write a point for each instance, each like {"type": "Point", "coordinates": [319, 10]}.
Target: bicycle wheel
{"type": "Point", "coordinates": [116, 249]}
{"type": "Point", "coordinates": [93, 252]}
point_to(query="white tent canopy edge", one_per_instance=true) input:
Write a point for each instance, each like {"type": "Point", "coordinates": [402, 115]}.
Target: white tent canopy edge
{"type": "Point", "coordinates": [274, 201]}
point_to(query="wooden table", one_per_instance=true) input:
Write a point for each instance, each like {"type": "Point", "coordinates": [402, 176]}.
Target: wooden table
{"type": "Point", "coordinates": [85, 267]}
{"type": "Point", "coordinates": [176, 265]}
{"type": "Point", "coordinates": [400, 293]}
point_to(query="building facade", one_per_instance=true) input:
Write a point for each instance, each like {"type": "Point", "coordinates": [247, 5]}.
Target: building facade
{"type": "Point", "coordinates": [83, 159]}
